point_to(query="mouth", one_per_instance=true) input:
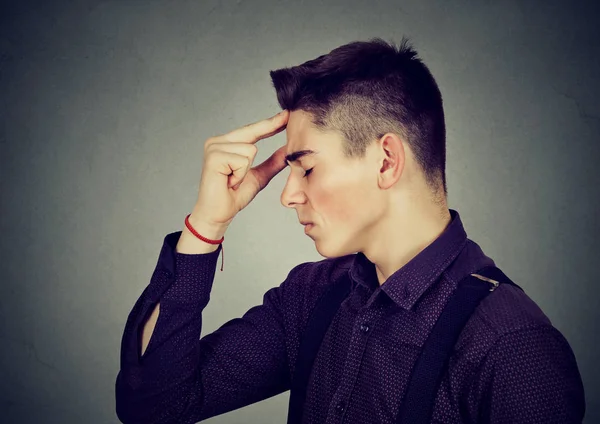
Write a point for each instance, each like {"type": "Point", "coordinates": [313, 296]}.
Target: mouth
{"type": "Point", "coordinates": [307, 227]}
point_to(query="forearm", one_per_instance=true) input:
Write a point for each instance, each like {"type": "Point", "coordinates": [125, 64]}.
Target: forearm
{"type": "Point", "coordinates": [187, 244]}
{"type": "Point", "coordinates": [181, 378]}
{"type": "Point", "coordinates": [142, 392]}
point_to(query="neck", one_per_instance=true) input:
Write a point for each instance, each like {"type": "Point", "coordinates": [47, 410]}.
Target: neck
{"type": "Point", "coordinates": [403, 235]}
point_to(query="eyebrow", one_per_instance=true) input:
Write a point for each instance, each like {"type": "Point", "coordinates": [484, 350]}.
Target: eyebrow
{"type": "Point", "coordinates": [295, 156]}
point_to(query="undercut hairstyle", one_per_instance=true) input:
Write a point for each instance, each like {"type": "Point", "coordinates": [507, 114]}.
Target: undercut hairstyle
{"type": "Point", "coordinates": [365, 89]}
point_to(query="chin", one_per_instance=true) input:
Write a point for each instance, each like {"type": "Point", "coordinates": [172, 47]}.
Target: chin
{"type": "Point", "coordinates": [329, 251]}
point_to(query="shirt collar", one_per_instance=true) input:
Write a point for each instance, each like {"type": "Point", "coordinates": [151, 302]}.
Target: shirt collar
{"type": "Point", "coordinates": [407, 284]}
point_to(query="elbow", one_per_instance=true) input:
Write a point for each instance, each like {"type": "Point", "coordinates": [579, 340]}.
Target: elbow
{"type": "Point", "coordinates": [130, 405]}
{"type": "Point", "coordinates": [143, 406]}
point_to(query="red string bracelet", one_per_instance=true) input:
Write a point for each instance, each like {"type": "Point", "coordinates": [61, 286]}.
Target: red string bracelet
{"type": "Point", "coordinates": [194, 232]}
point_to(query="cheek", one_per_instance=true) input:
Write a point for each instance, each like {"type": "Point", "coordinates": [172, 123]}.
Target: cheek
{"type": "Point", "coordinates": [343, 206]}
{"type": "Point", "coordinates": [342, 202]}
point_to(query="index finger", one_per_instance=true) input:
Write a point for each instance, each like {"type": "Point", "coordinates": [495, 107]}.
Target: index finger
{"type": "Point", "coordinates": [251, 133]}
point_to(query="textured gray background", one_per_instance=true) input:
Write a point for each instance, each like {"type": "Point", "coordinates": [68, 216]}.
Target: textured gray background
{"type": "Point", "coordinates": [104, 110]}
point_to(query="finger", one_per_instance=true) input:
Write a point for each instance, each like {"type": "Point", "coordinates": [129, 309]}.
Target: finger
{"type": "Point", "coordinates": [251, 133]}
{"type": "Point", "coordinates": [245, 149]}
{"type": "Point", "coordinates": [272, 166]}
{"type": "Point", "coordinates": [231, 165]}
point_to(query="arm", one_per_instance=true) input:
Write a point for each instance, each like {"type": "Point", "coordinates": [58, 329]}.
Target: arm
{"type": "Point", "coordinates": [181, 379]}
{"type": "Point", "coordinates": [188, 244]}
{"type": "Point", "coordinates": [531, 375]}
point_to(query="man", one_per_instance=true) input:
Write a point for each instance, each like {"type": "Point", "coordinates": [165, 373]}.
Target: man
{"type": "Point", "coordinates": [366, 149]}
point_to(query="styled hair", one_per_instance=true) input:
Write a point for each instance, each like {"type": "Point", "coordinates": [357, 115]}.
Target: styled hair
{"type": "Point", "coordinates": [365, 89]}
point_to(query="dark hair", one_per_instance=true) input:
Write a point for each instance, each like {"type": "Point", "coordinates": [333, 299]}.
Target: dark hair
{"type": "Point", "coordinates": [365, 89]}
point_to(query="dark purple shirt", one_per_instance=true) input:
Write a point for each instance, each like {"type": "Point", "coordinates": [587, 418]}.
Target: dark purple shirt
{"type": "Point", "coordinates": [509, 360]}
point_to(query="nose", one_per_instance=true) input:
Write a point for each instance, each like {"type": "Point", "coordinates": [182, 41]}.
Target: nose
{"type": "Point", "coordinates": [292, 193]}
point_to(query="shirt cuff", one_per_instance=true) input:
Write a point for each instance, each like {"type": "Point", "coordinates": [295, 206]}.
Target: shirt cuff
{"type": "Point", "coordinates": [192, 275]}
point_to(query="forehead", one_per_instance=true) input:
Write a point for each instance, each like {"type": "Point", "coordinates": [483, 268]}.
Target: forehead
{"type": "Point", "coordinates": [303, 135]}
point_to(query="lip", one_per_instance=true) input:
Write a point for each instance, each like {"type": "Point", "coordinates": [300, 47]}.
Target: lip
{"type": "Point", "coordinates": [307, 227]}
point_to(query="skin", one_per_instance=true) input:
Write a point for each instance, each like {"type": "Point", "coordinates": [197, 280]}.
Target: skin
{"type": "Point", "coordinates": [379, 205]}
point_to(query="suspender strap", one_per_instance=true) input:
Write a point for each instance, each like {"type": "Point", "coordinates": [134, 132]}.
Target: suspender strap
{"type": "Point", "coordinates": [417, 406]}
{"type": "Point", "coordinates": [319, 321]}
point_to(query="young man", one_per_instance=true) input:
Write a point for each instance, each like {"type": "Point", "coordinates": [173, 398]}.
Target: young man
{"type": "Point", "coordinates": [366, 149]}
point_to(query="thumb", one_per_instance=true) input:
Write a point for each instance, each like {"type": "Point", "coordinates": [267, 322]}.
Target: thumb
{"type": "Point", "coordinates": [265, 172]}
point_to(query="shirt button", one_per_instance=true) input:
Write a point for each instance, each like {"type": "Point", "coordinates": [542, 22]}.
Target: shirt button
{"type": "Point", "coordinates": [340, 407]}
{"type": "Point", "coordinates": [364, 328]}
{"type": "Point", "coordinates": [405, 292]}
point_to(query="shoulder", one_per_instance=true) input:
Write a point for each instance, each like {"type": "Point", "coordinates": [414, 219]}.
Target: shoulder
{"type": "Point", "coordinates": [518, 324]}
{"type": "Point", "coordinates": [510, 341]}
{"type": "Point", "coordinates": [507, 315]}
{"type": "Point", "coordinates": [508, 309]}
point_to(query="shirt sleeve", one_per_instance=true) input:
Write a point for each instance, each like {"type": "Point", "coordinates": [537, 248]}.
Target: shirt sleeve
{"type": "Point", "coordinates": [531, 376]}
{"type": "Point", "coordinates": [182, 378]}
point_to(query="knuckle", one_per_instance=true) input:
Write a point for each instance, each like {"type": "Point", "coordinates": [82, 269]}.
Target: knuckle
{"type": "Point", "coordinates": [209, 141]}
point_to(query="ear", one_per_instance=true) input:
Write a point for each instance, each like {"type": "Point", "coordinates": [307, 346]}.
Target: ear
{"type": "Point", "coordinates": [393, 158]}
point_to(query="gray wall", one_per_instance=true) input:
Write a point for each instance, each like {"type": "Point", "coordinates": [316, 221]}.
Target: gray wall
{"type": "Point", "coordinates": [105, 108]}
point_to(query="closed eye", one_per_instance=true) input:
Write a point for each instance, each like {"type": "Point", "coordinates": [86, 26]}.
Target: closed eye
{"type": "Point", "coordinates": [307, 172]}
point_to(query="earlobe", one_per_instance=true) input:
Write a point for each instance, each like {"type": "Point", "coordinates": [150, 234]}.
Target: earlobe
{"type": "Point", "coordinates": [389, 173]}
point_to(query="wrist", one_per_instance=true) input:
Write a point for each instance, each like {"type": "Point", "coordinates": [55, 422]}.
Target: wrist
{"type": "Point", "coordinates": [205, 229]}
{"type": "Point", "coordinates": [189, 243]}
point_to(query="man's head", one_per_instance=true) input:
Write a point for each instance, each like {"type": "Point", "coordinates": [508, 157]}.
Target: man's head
{"type": "Point", "coordinates": [373, 114]}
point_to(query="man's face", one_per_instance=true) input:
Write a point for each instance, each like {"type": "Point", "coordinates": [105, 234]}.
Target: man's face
{"type": "Point", "coordinates": [339, 196]}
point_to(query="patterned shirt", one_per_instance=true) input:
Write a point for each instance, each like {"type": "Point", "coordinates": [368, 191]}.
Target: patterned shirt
{"type": "Point", "coordinates": [510, 365]}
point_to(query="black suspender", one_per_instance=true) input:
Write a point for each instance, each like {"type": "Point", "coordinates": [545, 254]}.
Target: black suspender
{"type": "Point", "coordinates": [318, 322]}
{"type": "Point", "coordinates": [427, 373]}
{"type": "Point", "coordinates": [417, 404]}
